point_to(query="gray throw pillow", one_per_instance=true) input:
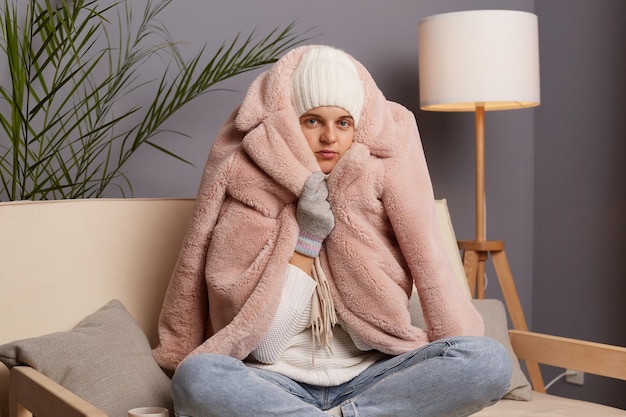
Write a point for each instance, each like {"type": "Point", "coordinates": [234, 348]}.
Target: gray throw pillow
{"type": "Point", "coordinates": [494, 317]}
{"type": "Point", "coordinates": [106, 359]}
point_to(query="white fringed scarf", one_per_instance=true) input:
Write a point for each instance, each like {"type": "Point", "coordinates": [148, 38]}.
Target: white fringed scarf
{"type": "Point", "coordinates": [323, 315]}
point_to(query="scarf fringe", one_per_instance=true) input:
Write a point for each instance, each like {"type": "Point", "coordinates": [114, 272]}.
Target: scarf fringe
{"type": "Point", "coordinates": [323, 314]}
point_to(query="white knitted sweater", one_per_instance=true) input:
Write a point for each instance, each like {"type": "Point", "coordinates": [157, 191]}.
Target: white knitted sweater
{"type": "Point", "coordinates": [287, 348]}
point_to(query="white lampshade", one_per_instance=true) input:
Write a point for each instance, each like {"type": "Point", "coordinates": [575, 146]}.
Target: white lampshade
{"type": "Point", "coordinates": [475, 58]}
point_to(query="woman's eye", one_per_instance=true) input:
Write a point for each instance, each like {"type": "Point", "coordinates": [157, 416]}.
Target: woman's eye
{"type": "Point", "coordinates": [344, 123]}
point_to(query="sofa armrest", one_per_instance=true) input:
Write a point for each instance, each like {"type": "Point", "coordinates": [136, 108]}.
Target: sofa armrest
{"type": "Point", "coordinates": [591, 357]}
{"type": "Point", "coordinates": [31, 393]}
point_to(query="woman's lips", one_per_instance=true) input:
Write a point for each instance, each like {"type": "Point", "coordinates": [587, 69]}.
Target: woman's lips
{"type": "Point", "coordinates": [327, 154]}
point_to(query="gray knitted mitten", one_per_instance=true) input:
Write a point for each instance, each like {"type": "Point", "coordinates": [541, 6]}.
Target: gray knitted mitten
{"type": "Point", "coordinates": [314, 216]}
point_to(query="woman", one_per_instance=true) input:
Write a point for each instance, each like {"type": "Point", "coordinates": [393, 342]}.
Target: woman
{"type": "Point", "coordinates": [314, 219]}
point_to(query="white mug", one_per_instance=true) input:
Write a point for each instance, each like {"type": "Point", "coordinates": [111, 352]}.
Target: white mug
{"type": "Point", "coordinates": [149, 412]}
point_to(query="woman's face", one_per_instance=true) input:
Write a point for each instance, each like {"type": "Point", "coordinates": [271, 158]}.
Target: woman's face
{"type": "Point", "coordinates": [329, 132]}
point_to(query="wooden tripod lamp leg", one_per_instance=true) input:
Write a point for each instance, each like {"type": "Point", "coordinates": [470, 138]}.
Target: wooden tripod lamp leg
{"type": "Point", "coordinates": [514, 307]}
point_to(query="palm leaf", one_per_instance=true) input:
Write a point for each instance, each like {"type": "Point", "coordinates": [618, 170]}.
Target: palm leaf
{"type": "Point", "coordinates": [66, 134]}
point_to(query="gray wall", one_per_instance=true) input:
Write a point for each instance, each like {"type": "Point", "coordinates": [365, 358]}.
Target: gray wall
{"type": "Point", "coordinates": [579, 284]}
{"type": "Point", "coordinates": [554, 174]}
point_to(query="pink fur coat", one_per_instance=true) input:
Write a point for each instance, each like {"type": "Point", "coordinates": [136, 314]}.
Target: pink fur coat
{"type": "Point", "coordinates": [228, 280]}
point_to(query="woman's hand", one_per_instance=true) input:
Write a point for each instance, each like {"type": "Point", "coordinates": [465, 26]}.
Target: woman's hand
{"type": "Point", "coordinates": [314, 215]}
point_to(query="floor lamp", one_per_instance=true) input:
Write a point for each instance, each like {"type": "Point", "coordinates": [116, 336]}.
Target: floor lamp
{"type": "Point", "coordinates": [481, 60]}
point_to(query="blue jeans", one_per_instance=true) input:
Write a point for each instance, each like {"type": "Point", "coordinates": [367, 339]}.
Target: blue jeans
{"type": "Point", "coordinates": [449, 377]}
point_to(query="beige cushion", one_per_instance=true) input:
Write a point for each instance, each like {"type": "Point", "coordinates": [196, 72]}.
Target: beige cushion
{"type": "Point", "coordinates": [106, 360]}
{"type": "Point", "coordinates": [80, 254]}
{"type": "Point", "coordinates": [62, 260]}
{"type": "Point", "coordinates": [449, 240]}
{"type": "Point", "coordinates": [546, 405]}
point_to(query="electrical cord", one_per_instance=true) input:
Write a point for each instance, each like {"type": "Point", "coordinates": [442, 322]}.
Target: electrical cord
{"type": "Point", "coordinates": [561, 375]}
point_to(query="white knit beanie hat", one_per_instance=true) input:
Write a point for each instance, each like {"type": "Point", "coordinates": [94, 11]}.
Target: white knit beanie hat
{"type": "Point", "coordinates": [326, 76]}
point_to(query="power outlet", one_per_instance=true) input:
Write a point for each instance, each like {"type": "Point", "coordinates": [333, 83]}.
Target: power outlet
{"type": "Point", "coordinates": [575, 377]}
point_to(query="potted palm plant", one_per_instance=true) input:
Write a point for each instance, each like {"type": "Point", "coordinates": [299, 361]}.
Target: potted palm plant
{"type": "Point", "coordinates": [70, 67]}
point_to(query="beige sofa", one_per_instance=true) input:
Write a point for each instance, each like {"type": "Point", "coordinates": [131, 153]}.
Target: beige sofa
{"type": "Point", "coordinates": [62, 262]}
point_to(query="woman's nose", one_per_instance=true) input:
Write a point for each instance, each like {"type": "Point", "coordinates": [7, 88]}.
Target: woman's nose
{"type": "Point", "coordinates": [328, 135]}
